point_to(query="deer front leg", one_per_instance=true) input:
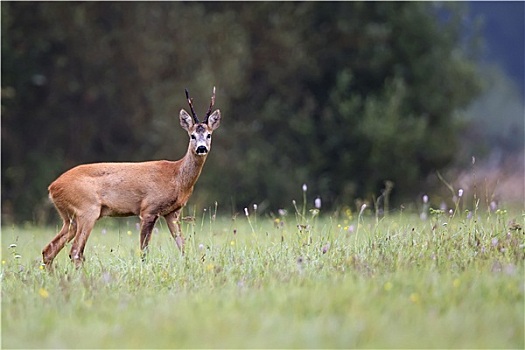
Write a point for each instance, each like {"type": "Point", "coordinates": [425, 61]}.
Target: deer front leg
{"type": "Point", "coordinates": [146, 226]}
{"type": "Point", "coordinates": [173, 221]}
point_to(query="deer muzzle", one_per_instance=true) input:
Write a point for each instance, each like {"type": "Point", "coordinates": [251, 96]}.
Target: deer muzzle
{"type": "Point", "coordinates": [201, 150]}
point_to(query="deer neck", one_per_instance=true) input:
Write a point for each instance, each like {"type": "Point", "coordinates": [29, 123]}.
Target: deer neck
{"type": "Point", "coordinates": [191, 167]}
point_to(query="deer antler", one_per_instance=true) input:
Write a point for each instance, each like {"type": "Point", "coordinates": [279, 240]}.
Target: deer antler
{"type": "Point", "coordinates": [191, 106]}
{"type": "Point", "coordinates": [211, 106]}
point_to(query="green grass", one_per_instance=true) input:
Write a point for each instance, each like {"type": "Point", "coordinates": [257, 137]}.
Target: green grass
{"type": "Point", "coordinates": [334, 282]}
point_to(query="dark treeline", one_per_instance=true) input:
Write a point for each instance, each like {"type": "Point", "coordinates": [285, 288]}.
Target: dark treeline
{"type": "Point", "coordinates": [341, 96]}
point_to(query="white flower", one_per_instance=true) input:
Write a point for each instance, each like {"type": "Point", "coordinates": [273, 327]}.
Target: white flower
{"type": "Point", "coordinates": [460, 192]}
{"type": "Point", "coordinates": [317, 203]}
{"type": "Point", "coordinates": [246, 211]}
{"type": "Point", "coordinates": [425, 199]}
{"type": "Point", "coordinates": [305, 187]}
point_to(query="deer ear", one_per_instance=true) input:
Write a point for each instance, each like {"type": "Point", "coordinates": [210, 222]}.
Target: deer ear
{"type": "Point", "coordinates": [214, 120]}
{"type": "Point", "coordinates": [186, 121]}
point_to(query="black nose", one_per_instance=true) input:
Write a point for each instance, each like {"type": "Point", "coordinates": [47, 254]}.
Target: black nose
{"type": "Point", "coordinates": [202, 150]}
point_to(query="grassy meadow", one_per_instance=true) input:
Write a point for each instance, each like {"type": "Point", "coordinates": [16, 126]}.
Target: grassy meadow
{"type": "Point", "coordinates": [302, 280]}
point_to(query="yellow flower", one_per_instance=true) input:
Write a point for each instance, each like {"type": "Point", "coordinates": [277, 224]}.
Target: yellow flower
{"type": "Point", "coordinates": [456, 282]}
{"type": "Point", "coordinates": [232, 243]}
{"type": "Point", "coordinates": [43, 293]}
{"type": "Point", "coordinates": [388, 286]}
{"type": "Point", "coordinates": [129, 233]}
{"type": "Point", "coordinates": [414, 297]}
{"type": "Point", "coordinates": [209, 267]}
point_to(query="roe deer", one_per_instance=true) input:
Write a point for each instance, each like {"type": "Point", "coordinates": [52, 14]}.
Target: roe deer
{"type": "Point", "coordinates": [151, 189]}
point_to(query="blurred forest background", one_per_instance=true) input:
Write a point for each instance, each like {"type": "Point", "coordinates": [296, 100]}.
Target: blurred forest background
{"type": "Point", "coordinates": [341, 96]}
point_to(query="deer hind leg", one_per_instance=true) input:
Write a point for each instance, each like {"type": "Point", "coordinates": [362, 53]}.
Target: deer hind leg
{"type": "Point", "coordinates": [85, 224]}
{"type": "Point", "coordinates": [173, 221]}
{"type": "Point", "coordinates": [146, 226]}
{"type": "Point", "coordinates": [66, 234]}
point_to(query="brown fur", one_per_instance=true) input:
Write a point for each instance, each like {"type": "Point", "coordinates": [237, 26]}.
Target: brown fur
{"type": "Point", "coordinates": [152, 189]}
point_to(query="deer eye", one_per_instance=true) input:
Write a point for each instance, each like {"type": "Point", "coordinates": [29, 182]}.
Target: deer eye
{"type": "Point", "coordinates": [209, 136]}
{"type": "Point", "coordinates": [193, 137]}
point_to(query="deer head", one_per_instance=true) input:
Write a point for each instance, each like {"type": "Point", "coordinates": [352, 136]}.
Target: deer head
{"type": "Point", "coordinates": [200, 132]}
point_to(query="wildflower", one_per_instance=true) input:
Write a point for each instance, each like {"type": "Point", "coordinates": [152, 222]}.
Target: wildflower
{"type": "Point", "coordinates": [201, 246]}
{"type": "Point", "coordinates": [129, 233]}
{"type": "Point", "coordinates": [232, 243]}
{"type": "Point", "coordinates": [43, 293]}
{"type": "Point", "coordinates": [414, 297]}
{"type": "Point", "coordinates": [325, 248]}
{"type": "Point", "coordinates": [246, 212]}
{"type": "Point", "coordinates": [456, 283]}
{"type": "Point", "coordinates": [254, 207]}
{"type": "Point", "coordinates": [317, 203]}
{"type": "Point", "coordinates": [363, 207]}
{"type": "Point", "coordinates": [425, 199]}
{"type": "Point", "coordinates": [351, 228]}
{"type": "Point", "coordinates": [282, 212]}
{"type": "Point", "coordinates": [3, 262]}
{"type": "Point", "coordinates": [106, 277]}
{"type": "Point", "coordinates": [460, 193]}
{"type": "Point", "coordinates": [305, 187]}
{"type": "Point", "coordinates": [388, 286]}
{"type": "Point", "coordinates": [510, 269]}
{"type": "Point", "coordinates": [493, 206]}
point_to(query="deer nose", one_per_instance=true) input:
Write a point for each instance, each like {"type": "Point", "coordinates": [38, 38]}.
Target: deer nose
{"type": "Point", "coordinates": [201, 150]}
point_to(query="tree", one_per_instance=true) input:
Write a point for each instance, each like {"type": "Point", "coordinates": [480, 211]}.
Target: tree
{"type": "Point", "coordinates": [342, 96]}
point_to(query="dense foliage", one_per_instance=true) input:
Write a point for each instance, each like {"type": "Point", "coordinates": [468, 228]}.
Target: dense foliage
{"type": "Point", "coordinates": [342, 96]}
